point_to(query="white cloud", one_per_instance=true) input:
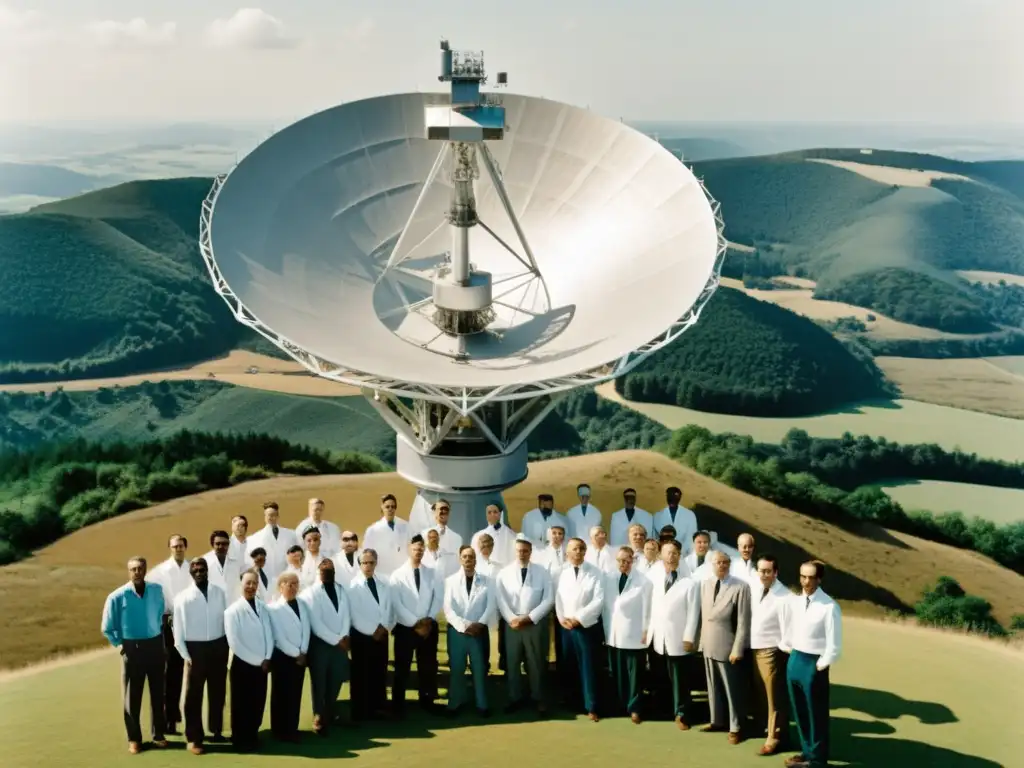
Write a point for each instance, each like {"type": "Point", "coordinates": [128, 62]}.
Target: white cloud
{"type": "Point", "coordinates": [137, 33]}
{"type": "Point", "coordinates": [250, 28]}
{"type": "Point", "coordinates": [21, 28]}
{"type": "Point", "coordinates": [360, 30]}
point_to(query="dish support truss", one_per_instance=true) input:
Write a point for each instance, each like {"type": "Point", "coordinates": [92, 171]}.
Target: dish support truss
{"type": "Point", "coordinates": [463, 401]}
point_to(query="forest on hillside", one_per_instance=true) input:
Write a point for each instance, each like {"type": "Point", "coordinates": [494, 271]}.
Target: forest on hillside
{"type": "Point", "coordinates": [753, 358]}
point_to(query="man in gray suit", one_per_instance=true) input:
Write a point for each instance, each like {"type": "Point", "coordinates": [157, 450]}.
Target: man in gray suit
{"type": "Point", "coordinates": [724, 638]}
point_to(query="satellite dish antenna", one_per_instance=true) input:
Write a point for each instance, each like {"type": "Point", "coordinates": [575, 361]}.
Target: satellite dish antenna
{"type": "Point", "coordinates": [466, 260]}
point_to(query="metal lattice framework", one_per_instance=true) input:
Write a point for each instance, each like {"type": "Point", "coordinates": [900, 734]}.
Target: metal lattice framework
{"type": "Point", "coordinates": [461, 400]}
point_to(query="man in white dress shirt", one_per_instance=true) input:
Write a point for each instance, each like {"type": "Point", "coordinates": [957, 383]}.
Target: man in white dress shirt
{"type": "Point", "coordinates": [525, 598]}
{"type": "Point", "coordinates": [388, 537]}
{"type": "Point", "coordinates": [309, 573]}
{"type": "Point", "coordinates": [449, 542]}
{"type": "Point", "coordinates": [330, 534]}
{"type": "Point", "coordinates": [768, 598]}
{"type": "Point", "coordinates": [504, 538]}
{"type": "Point", "coordinates": [627, 620]}
{"type": "Point", "coordinates": [265, 590]}
{"type": "Point", "coordinates": [745, 566]}
{"type": "Point", "coordinates": [200, 640]}
{"type": "Point", "coordinates": [584, 515]}
{"type": "Point", "coordinates": [224, 572]}
{"type": "Point", "coordinates": [373, 618]}
{"type": "Point", "coordinates": [275, 539]}
{"type": "Point", "coordinates": [599, 554]}
{"type": "Point", "coordinates": [552, 557]}
{"type": "Point", "coordinates": [239, 550]}
{"type": "Point", "coordinates": [346, 562]}
{"type": "Point", "coordinates": [487, 566]}
{"type": "Point", "coordinates": [698, 562]}
{"type": "Point", "coordinates": [294, 557]}
{"type": "Point", "coordinates": [173, 576]}
{"type": "Point", "coordinates": [417, 596]}
{"type": "Point", "coordinates": [329, 626]}
{"type": "Point", "coordinates": [675, 621]}
{"type": "Point", "coordinates": [650, 557]}
{"type": "Point", "coordinates": [251, 639]}
{"type": "Point", "coordinates": [579, 603]}
{"type": "Point", "coordinates": [537, 521]}
{"type": "Point", "coordinates": [628, 516]}
{"type": "Point", "coordinates": [470, 607]}
{"type": "Point", "coordinates": [289, 619]}
{"type": "Point", "coordinates": [813, 638]}
{"type": "Point", "coordinates": [679, 517]}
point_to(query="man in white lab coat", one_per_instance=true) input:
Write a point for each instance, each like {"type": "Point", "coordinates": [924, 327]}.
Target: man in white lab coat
{"type": "Point", "coordinates": [251, 639]}
{"type": "Point", "coordinates": [679, 517]}
{"type": "Point", "coordinates": [346, 562]}
{"type": "Point", "coordinates": [584, 515]}
{"type": "Point", "coordinates": [449, 541]}
{"type": "Point", "coordinates": [525, 598]}
{"type": "Point", "coordinates": [239, 550]}
{"type": "Point", "coordinates": [373, 617]}
{"type": "Point", "coordinates": [224, 572]}
{"type": "Point", "coordinates": [625, 518]}
{"type": "Point", "coordinates": [599, 554]}
{"type": "Point", "coordinates": [579, 602]}
{"type": "Point", "coordinates": [265, 588]}
{"type": "Point", "coordinates": [504, 538]}
{"type": "Point", "coordinates": [626, 620]}
{"type": "Point", "coordinates": [275, 540]}
{"type": "Point", "coordinates": [470, 608]}
{"type": "Point", "coordinates": [484, 564]}
{"type": "Point", "coordinates": [553, 558]}
{"type": "Point", "coordinates": [289, 619]}
{"type": "Point", "coordinates": [698, 562]}
{"type": "Point", "coordinates": [745, 566]}
{"type": "Point", "coordinates": [330, 534]}
{"type": "Point", "coordinates": [675, 621]}
{"type": "Point", "coordinates": [309, 574]}
{"type": "Point", "coordinates": [388, 537]}
{"type": "Point", "coordinates": [537, 521]}
{"type": "Point", "coordinates": [417, 596]}
{"type": "Point", "coordinates": [200, 640]}
{"type": "Point", "coordinates": [173, 577]}
{"type": "Point", "coordinates": [329, 625]}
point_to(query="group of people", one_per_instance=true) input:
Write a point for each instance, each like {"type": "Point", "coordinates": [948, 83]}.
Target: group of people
{"type": "Point", "coordinates": [644, 611]}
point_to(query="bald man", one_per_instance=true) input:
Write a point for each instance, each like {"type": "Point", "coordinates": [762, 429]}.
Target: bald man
{"type": "Point", "coordinates": [744, 567]}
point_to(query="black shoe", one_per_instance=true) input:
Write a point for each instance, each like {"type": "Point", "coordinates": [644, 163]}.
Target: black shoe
{"type": "Point", "coordinates": [452, 711]}
{"type": "Point", "coordinates": [217, 738]}
{"type": "Point", "coordinates": [513, 706]}
{"type": "Point", "coordinates": [485, 712]}
{"type": "Point", "coordinates": [172, 730]}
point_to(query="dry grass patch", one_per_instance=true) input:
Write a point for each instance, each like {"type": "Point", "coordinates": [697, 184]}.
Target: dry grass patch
{"type": "Point", "coordinates": [989, 278]}
{"type": "Point", "coordinates": [52, 601]}
{"type": "Point", "coordinates": [976, 384]}
{"type": "Point", "coordinates": [883, 174]}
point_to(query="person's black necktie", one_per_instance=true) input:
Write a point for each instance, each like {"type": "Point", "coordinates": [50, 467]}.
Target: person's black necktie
{"type": "Point", "coordinates": [576, 568]}
{"type": "Point", "coordinates": [263, 578]}
{"type": "Point", "coordinates": [469, 585]}
{"type": "Point", "coordinates": [351, 557]}
{"type": "Point", "coordinates": [332, 593]}
{"type": "Point", "coordinates": [391, 524]}
{"type": "Point", "coordinates": [274, 530]}
{"type": "Point", "coordinates": [416, 576]}
{"type": "Point", "coordinates": [522, 572]}
{"type": "Point", "coordinates": [807, 604]}
{"type": "Point", "coordinates": [718, 586]}
{"type": "Point", "coordinates": [497, 526]}
{"type": "Point", "coordinates": [294, 605]}
{"type": "Point", "coordinates": [764, 594]}
{"type": "Point", "coordinates": [629, 515]}
{"type": "Point", "coordinates": [700, 560]}
{"type": "Point", "coordinates": [622, 581]}
{"type": "Point", "coordinates": [373, 589]}
{"type": "Point", "coordinates": [670, 580]}
{"type": "Point", "coordinates": [252, 604]}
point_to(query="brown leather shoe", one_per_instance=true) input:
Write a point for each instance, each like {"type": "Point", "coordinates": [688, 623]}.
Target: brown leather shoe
{"type": "Point", "coordinates": [593, 717]}
{"type": "Point", "coordinates": [318, 724]}
{"type": "Point", "coordinates": [734, 737]}
{"type": "Point", "coordinates": [160, 743]}
{"type": "Point", "coordinates": [713, 729]}
{"type": "Point", "coordinates": [635, 718]}
{"type": "Point", "coordinates": [682, 725]}
{"type": "Point", "coordinates": [134, 748]}
{"type": "Point", "coordinates": [767, 750]}
{"type": "Point", "coordinates": [196, 749]}
{"type": "Point", "coordinates": [795, 760]}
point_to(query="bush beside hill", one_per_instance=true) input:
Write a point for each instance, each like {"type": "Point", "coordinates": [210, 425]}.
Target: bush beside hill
{"type": "Point", "coordinates": [948, 605]}
{"type": "Point", "coordinates": [753, 358]}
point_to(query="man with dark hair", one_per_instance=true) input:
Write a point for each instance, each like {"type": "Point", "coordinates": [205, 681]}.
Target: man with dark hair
{"type": "Point", "coordinates": [264, 589]}
{"type": "Point", "coordinates": [697, 562]}
{"type": "Point", "coordinates": [682, 520]}
{"type": "Point", "coordinates": [373, 617]}
{"type": "Point", "coordinates": [537, 521]}
{"type": "Point", "coordinates": [579, 603]}
{"type": "Point", "coordinates": [251, 639]}
{"type": "Point", "coordinates": [767, 600]}
{"type": "Point", "coordinates": [584, 515]}
{"type": "Point", "coordinates": [223, 571]}
{"type": "Point", "coordinates": [627, 517]}
{"type": "Point", "coordinates": [330, 623]}
{"type": "Point", "coordinates": [200, 639]}
{"type": "Point", "coordinates": [275, 539]}
{"type": "Point", "coordinates": [417, 596]}
{"type": "Point", "coordinates": [470, 606]}
{"type": "Point", "coordinates": [813, 636]}
{"type": "Point", "coordinates": [388, 537]}
{"type": "Point", "coordinates": [173, 576]}
{"type": "Point", "coordinates": [346, 562]}
{"type": "Point", "coordinates": [132, 620]}
{"type": "Point", "coordinates": [293, 558]}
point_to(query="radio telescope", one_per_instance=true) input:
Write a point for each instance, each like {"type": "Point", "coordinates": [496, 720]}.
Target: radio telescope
{"type": "Point", "coordinates": [465, 259]}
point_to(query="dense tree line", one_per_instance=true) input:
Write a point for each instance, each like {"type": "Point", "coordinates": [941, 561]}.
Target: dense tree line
{"type": "Point", "coordinates": [790, 480]}
{"type": "Point", "coordinates": [753, 358]}
{"type": "Point", "coordinates": [948, 605]}
{"type": "Point", "coordinates": [70, 485]}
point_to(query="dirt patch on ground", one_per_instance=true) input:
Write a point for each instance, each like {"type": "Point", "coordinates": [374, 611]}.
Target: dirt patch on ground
{"type": "Point", "coordinates": [972, 383]}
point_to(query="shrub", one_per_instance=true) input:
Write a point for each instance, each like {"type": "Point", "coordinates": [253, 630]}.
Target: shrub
{"type": "Point", "coordinates": [948, 605]}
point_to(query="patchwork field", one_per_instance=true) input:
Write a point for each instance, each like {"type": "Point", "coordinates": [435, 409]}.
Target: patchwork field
{"type": "Point", "coordinates": [51, 602]}
{"type": "Point", "coordinates": [885, 712]}
{"type": "Point", "coordinates": [1000, 505]}
{"type": "Point", "coordinates": [904, 421]}
{"type": "Point", "coordinates": [991, 385]}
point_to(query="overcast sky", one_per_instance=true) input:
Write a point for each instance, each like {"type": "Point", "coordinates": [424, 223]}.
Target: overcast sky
{"type": "Point", "coordinates": [937, 61]}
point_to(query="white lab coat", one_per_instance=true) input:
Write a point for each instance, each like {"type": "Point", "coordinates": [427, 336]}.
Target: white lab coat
{"type": "Point", "coordinates": [367, 613]}
{"type": "Point", "coordinates": [391, 545]}
{"type": "Point", "coordinates": [478, 605]}
{"type": "Point", "coordinates": [309, 573]}
{"type": "Point", "coordinates": [420, 515]}
{"type": "Point", "coordinates": [239, 551]}
{"type": "Point", "coordinates": [580, 597]}
{"type": "Point", "coordinates": [504, 551]}
{"type": "Point", "coordinates": [535, 527]}
{"type": "Point", "coordinates": [698, 572]}
{"type": "Point", "coordinates": [328, 623]}
{"type": "Point", "coordinates": [198, 617]}
{"type": "Point", "coordinates": [409, 605]}
{"type": "Point", "coordinates": [447, 550]}
{"type": "Point", "coordinates": [744, 571]}
{"type": "Point", "coordinates": [330, 535]}
{"type": "Point", "coordinates": [603, 558]}
{"type": "Point", "coordinates": [173, 578]}
{"type": "Point", "coordinates": [277, 549]}
{"type": "Point", "coordinates": [534, 598]}
{"type": "Point", "coordinates": [627, 615]}
{"type": "Point", "coordinates": [250, 634]}
{"type": "Point", "coordinates": [675, 615]}
{"type": "Point", "coordinates": [552, 559]}
{"type": "Point", "coordinates": [581, 522]}
{"type": "Point", "coordinates": [228, 576]}
{"type": "Point", "coordinates": [343, 571]}
{"type": "Point", "coordinates": [618, 534]}
{"type": "Point", "coordinates": [291, 632]}
{"type": "Point", "coordinates": [685, 525]}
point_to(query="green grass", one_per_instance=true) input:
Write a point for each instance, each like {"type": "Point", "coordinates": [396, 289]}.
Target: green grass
{"type": "Point", "coordinates": [885, 712]}
{"type": "Point", "coordinates": [1000, 505]}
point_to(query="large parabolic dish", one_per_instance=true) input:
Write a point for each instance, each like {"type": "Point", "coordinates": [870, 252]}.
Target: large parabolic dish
{"type": "Point", "coordinates": [584, 246]}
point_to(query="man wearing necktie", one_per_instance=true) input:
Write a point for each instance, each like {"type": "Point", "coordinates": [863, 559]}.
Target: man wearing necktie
{"type": "Point", "coordinates": [289, 620]}
{"type": "Point", "coordinates": [579, 602]}
{"type": "Point", "coordinates": [525, 597]}
{"type": "Point", "coordinates": [373, 617]}
{"type": "Point", "coordinates": [275, 540]}
{"type": "Point", "coordinates": [537, 521]}
{"type": "Point", "coordinates": [725, 638]}
{"type": "Point", "coordinates": [330, 623]}
{"type": "Point", "coordinates": [627, 619]}
{"type": "Point", "coordinates": [389, 537]}
{"type": "Point", "coordinates": [418, 594]}
{"type": "Point", "coordinates": [470, 607]}
{"type": "Point", "coordinates": [768, 602]}
{"type": "Point", "coordinates": [259, 562]}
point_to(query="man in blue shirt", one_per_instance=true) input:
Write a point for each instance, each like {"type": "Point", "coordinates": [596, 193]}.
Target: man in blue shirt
{"type": "Point", "coordinates": [133, 622]}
